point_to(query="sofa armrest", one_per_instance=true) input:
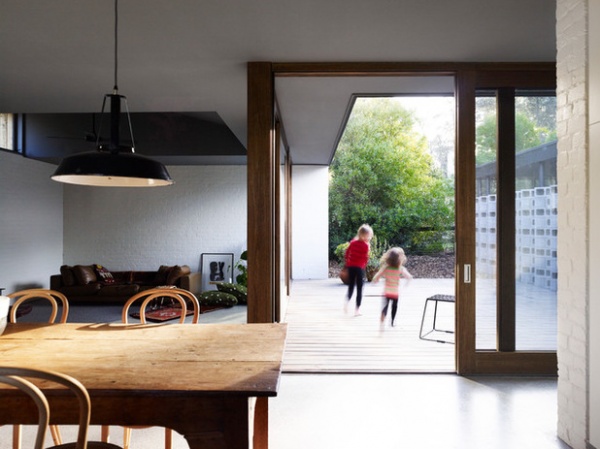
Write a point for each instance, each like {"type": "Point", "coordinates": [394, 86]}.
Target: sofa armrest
{"type": "Point", "coordinates": [191, 282]}
{"type": "Point", "coordinates": [55, 282]}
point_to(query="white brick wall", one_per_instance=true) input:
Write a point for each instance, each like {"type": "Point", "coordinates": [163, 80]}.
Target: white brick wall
{"type": "Point", "coordinates": [31, 222]}
{"type": "Point", "coordinates": [594, 201]}
{"type": "Point", "coordinates": [141, 229]}
{"type": "Point", "coordinates": [573, 190]}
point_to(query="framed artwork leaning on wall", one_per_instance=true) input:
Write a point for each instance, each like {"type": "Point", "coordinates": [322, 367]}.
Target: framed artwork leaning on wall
{"type": "Point", "coordinates": [215, 267]}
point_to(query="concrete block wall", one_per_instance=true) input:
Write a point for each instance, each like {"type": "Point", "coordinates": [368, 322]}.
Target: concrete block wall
{"type": "Point", "coordinates": [573, 196]}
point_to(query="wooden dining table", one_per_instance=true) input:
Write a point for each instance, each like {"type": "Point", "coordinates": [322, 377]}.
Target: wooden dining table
{"type": "Point", "coordinates": [211, 382]}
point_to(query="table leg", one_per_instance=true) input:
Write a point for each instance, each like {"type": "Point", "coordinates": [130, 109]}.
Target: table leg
{"type": "Point", "coordinates": [261, 423]}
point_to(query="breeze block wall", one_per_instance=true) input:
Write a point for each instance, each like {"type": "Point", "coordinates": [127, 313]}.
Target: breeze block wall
{"type": "Point", "coordinates": [536, 236]}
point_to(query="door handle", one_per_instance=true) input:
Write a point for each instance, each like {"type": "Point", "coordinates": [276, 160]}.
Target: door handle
{"type": "Point", "coordinates": [467, 273]}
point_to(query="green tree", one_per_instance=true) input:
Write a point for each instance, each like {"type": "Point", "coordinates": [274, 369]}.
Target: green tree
{"type": "Point", "coordinates": [534, 125]}
{"type": "Point", "coordinates": [383, 175]}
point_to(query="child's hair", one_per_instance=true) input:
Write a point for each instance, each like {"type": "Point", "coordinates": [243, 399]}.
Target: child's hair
{"type": "Point", "coordinates": [365, 231]}
{"type": "Point", "coordinates": [394, 257]}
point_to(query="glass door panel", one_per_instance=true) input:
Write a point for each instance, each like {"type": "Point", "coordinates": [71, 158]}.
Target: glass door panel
{"type": "Point", "coordinates": [535, 221]}
{"type": "Point", "coordinates": [486, 159]}
{"type": "Point", "coordinates": [533, 156]}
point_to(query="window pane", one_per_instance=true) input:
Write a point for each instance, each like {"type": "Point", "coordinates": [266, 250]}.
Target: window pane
{"type": "Point", "coordinates": [485, 226]}
{"type": "Point", "coordinates": [6, 131]}
{"type": "Point", "coordinates": [536, 222]}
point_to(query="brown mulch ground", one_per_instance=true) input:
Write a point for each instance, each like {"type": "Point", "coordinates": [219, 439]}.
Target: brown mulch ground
{"type": "Point", "coordinates": [438, 266]}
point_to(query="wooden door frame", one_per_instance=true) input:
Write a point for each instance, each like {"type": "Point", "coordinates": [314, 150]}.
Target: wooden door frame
{"type": "Point", "coordinates": [263, 233]}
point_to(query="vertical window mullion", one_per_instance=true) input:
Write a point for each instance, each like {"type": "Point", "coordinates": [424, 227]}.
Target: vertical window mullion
{"type": "Point", "coordinates": [505, 237]}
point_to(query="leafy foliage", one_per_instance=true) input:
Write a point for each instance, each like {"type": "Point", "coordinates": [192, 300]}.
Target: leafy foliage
{"type": "Point", "coordinates": [534, 125]}
{"type": "Point", "coordinates": [383, 175]}
{"type": "Point", "coordinates": [242, 267]}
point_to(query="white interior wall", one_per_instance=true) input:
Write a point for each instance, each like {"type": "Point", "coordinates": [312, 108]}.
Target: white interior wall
{"type": "Point", "coordinates": [594, 207]}
{"type": "Point", "coordinates": [31, 222]}
{"type": "Point", "coordinates": [310, 223]}
{"type": "Point", "coordinates": [141, 229]}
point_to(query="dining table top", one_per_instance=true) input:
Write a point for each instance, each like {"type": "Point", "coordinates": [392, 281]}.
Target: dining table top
{"type": "Point", "coordinates": [209, 382]}
{"type": "Point", "coordinates": [229, 359]}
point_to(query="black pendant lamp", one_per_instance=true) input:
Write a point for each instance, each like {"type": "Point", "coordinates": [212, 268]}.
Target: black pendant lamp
{"type": "Point", "coordinates": [113, 164]}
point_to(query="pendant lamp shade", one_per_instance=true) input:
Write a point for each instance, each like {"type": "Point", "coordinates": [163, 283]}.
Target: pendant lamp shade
{"type": "Point", "coordinates": [97, 168]}
{"type": "Point", "coordinates": [112, 164]}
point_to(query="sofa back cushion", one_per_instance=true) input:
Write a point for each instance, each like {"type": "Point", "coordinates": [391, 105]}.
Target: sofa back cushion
{"type": "Point", "coordinates": [68, 278]}
{"type": "Point", "coordinates": [161, 275]}
{"type": "Point", "coordinates": [176, 273]}
{"type": "Point", "coordinates": [85, 274]}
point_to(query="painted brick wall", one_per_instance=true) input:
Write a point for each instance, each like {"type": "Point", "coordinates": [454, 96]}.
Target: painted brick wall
{"type": "Point", "coordinates": [594, 207]}
{"type": "Point", "coordinates": [141, 229]}
{"type": "Point", "coordinates": [572, 161]}
{"type": "Point", "coordinates": [31, 222]}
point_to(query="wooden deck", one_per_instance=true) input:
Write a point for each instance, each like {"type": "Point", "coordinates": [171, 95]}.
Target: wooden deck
{"type": "Point", "coordinates": [324, 339]}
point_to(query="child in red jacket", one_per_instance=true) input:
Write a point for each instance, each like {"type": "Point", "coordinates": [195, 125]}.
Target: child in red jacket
{"type": "Point", "coordinates": [357, 256]}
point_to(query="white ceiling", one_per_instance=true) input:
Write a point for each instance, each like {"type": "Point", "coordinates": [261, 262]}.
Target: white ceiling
{"type": "Point", "coordinates": [191, 55]}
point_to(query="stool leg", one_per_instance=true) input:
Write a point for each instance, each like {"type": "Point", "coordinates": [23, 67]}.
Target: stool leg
{"type": "Point", "coordinates": [423, 319]}
{"type": "Point", "coordinates": [435, 315]}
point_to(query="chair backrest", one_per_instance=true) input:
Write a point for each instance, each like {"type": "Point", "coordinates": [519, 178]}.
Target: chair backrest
{"type": "Point", "coordinates": [180, 295]}
{"type": "Point", "coordinates": [40, 293]}
{"type": "Point", "coordinates": [16, 377]}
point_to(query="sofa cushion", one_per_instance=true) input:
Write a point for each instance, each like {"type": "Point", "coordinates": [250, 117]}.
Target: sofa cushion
{"type": "Point", "coordinates": [161, 274]}
{"type": "Point", "coordinates": [82, 290]}
{"type": "Point", "coordinates": [119, 290]}
{"type": "Point", "coordinates": [84, 274]}
{"type": "Point", "coordinates": [104, 275]}
{"type": "Point", "coordinates": [68, 278]}
{"type": "Point", "coordinates": [142, 277]}
{"type": "Point", "coordinates": [176, 273]}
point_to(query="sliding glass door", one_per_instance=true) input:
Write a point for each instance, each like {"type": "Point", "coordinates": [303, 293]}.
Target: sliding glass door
{"type": "Point", "coordinates": [507, 140]}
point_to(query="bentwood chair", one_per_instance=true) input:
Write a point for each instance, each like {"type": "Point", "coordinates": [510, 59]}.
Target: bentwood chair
{"type": "Point", "coordinates": [39, 293]}
{"type": "Point", "coordinates": [21, 297]}
{"type": "Point", "coordinates": [185, 298]}
{"type": "Point", "coordinates": [19, 378]}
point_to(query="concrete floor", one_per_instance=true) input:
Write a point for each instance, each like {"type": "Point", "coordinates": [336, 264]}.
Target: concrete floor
{"type": "Point", "coordinates": [391, 411]}
{"type": "Point", "coordinates": [373, 411]}
{"type": "Point", "coordinates": [414, 411]}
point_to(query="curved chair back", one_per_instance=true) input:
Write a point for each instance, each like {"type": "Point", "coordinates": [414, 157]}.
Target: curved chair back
{"type": "Point", "coordinates": [40, 293]}
{"type": "Point", "coordinates": [180, 295]}
{"type": "Point", "coordinates": [14, 376]}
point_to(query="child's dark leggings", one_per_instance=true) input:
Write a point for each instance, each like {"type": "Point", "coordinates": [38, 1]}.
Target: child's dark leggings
{"type": "Point", "coordinates": [386, 303]}
{"type": "Point", "coordinates": [356, 275]}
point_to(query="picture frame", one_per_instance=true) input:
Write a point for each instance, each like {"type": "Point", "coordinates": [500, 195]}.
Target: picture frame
{"type": "Point", "coordinates": [215, 267]}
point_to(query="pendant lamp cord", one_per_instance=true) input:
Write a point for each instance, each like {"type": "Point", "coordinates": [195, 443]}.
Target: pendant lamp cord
{"type": "Point", "coordinates": [116, 87]}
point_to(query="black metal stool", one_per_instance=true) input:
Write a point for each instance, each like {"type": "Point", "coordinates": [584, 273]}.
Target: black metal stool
{"type": "Point", "coordinates": [436, 299]}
